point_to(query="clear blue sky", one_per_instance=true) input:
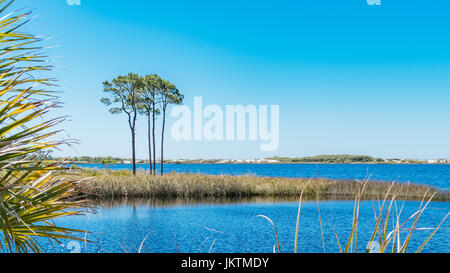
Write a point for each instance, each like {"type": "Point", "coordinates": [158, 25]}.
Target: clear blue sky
{"type": "Point", "coordinates": [349, 78]}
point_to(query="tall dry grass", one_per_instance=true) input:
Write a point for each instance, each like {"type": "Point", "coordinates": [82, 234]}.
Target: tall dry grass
{"type": "Point", "coordinates": [119, 184]}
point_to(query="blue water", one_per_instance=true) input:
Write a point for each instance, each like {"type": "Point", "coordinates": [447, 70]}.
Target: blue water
{"type": "Point", "coordinates": [234, 228]}
{"type": "Point", "coordinates": [437, 175]}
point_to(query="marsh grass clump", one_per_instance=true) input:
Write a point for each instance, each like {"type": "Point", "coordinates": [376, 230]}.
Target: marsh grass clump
{"type": "Point", "coordinates": [119, 184]}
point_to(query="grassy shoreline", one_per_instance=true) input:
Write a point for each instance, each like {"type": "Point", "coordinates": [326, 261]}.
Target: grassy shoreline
{"type": "Point", "coordinates": [109, 184]}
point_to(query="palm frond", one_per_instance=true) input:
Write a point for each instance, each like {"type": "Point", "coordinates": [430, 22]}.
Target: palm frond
{"type": "Point", "coordinates": [32, 193]}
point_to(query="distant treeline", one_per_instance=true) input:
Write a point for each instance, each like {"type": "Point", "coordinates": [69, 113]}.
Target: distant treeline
{"type": "Point", "coordinates": [119, 160]}
{"type": "Point", "coordinates": [347, 159]}
{"type": "Point", "coordinates": [330, 159]}
{"type": "Point", "coordinates": [320, 159]}
{"type": "Point", "coordinates": [95, 159]}
{"type": "Point", "coordinates": [100, 160]}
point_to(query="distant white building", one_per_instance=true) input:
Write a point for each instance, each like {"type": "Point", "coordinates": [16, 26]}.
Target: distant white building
{"type": "Point", "coordinates": [248, 161]}
{"type": "Point", "coordinates": [437, 161]}
{"type": "Point", "coordinates": [223, 161]}
{"type": "Point", "coordinates": [272, 161]}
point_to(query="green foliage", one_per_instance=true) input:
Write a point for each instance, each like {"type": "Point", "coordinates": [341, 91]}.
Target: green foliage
{"type": "Point", "coordinates": [337, 159]}
{"type": "Point", "coordinates": [155, 92]}
{"type": "Point", "coordinates": [169, 94]}
{"type": "Point", "coordinates": [32, 193]}
{"type": "Point", "coordinates": [123, 93]}
{"type": "Point", "coordinates": [148, 97]}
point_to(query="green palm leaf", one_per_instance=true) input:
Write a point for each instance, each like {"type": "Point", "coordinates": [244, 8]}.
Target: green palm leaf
{"type": "Point", "coordinates": [32, 193]}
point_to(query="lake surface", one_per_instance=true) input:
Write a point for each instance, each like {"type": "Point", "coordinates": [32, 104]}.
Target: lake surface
{"type": "Point", "coordinates": [232, 227]}
{"type": "Point", "coordinates": [437, 175]}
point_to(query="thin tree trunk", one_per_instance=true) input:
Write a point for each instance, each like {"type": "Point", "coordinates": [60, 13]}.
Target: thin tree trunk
{"type": "Point", "coordinates": [133, 132]}
{"type": "Point", "coordinates": [149, 143]}
{"type": "Point", "coordinates": [132, 124]}
{"type": "Point", "coordinates": [154, 143]}
{"type": "Point", "coordinates": [162, 141]}
{"type": "Point", "coordinates": [133, 149]}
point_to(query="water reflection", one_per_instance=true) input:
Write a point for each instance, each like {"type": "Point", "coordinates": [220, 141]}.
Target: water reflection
{"type": "Point", "coordinates": [178, 202]}
{"type": "Point", "coordinates": [189, 226]}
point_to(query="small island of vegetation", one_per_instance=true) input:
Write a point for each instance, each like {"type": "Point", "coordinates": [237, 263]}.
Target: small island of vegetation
{"type": "Point", "coordinates": [109, 184]}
